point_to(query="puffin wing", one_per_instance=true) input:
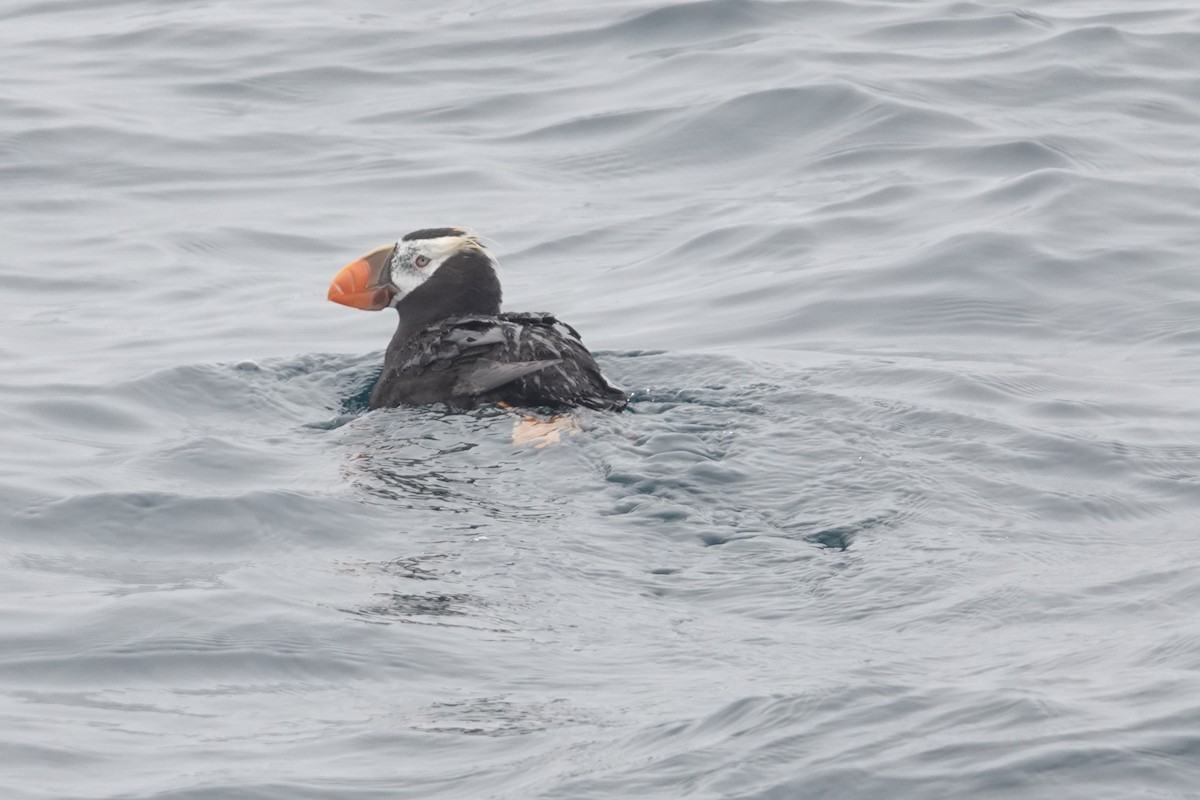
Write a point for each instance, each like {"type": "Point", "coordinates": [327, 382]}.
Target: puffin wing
{"type": "Point", "coordinates": [522, 359]}
{"type": "Point", "coordinates": [484, 375]}
{"type": "Point", "coordinates": [574, 380]}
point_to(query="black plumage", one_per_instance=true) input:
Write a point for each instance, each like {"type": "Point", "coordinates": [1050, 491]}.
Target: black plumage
{"type": "Point", "coordinates": [522, 359]}
{"type": "Point", "coordinates": [454, 346]}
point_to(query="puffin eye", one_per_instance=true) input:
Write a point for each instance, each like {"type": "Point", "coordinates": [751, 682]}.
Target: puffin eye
{"type": "Point", "coordinates": [422, 261]}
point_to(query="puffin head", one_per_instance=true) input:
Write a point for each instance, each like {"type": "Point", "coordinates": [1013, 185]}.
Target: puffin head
{"type": "Point", "coordinates": [433, 266]}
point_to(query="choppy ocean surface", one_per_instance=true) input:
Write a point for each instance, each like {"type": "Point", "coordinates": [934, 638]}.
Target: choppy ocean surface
{"type": "Point", "coordinates": [907, 504]}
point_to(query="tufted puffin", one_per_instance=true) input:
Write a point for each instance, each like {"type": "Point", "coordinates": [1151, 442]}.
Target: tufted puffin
{"type": "Point", "coordinates": [453, 345]}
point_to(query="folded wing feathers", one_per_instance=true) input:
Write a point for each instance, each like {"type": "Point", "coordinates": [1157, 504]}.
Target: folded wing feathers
{"type": "Point", "coordinates": [483, 376]}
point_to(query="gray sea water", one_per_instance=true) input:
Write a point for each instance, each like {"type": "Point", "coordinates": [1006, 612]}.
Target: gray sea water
{"type": "Point", "coordinates": [907, 504]}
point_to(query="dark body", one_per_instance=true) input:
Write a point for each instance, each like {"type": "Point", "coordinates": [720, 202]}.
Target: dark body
{"type": "Point", "coordinates": [522, 359]}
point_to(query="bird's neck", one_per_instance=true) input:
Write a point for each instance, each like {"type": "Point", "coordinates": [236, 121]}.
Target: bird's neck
{"type": "Point", "coordinates": [465, 284]}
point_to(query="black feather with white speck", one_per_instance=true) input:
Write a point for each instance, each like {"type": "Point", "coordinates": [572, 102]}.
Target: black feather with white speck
{"type": "Point", "coordinates": [522, 359]}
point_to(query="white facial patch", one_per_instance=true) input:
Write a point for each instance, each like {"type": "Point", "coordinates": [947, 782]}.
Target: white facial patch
{"type": "Point", "coordinates": [407, 272]}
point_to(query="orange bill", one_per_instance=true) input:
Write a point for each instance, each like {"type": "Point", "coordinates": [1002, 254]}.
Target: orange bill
{"type": "Point", "coordinates": [364, 283]}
